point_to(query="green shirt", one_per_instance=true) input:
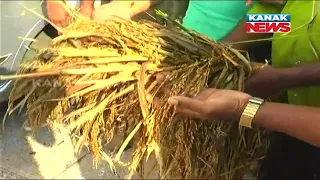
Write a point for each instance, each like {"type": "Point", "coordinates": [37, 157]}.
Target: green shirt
{"type": "Point", "coordinates": [214, 18]}
{"type": "Point", "coordinates": [217, 19]}
{"type": "Point", "coordinates": [300, 46]}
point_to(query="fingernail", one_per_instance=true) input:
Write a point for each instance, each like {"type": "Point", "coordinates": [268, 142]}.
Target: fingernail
{"type": "Point", "coordinates": [173, 101]}
{"type": "Point", "coordinates": [149, 99]}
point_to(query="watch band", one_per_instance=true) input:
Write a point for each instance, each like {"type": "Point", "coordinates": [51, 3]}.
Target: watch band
{"type": "Point", "coordinates": [250, 111]}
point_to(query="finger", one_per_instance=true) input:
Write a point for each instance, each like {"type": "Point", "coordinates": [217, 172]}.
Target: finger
{"type": "Point", "coordinates": [185, 103]}
{"type": "Point", "coordinates": [155, 101]}
{"type": "Point", "coordinates": [204, 94]}
{"type": "Point", "coordinates": [165, 88]}
{"type": "Point", "coordinates": [189, 113]}
{"type": "Point", "coordinates": [54, 22]}
{"type": "Point", "coordinates": [184, 112]}
{"type": "Point", "coordinates": [160, 79]}
{"type": "Point", "coordinates": [57, 23]}
{"type": "Point", "coordinates": [161, 76]}
{"type": "Point", "coordinates": [152, 86]}
{"type": "Point", "coordinates": [63, 23]}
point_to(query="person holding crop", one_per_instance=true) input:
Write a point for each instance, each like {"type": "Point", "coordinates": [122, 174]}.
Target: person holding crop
{"type": "Point", "coordinates": [217, 19]}
{"type": "Point", "coordinates": [58, 15]}
{"type": "Point", "coordinates": [299, 121]}
{"type": "Point", "coordinates": [219, 13]}
{"type": "Point", "coordinates": [288, 158]}
{"type": "Point", "coordinates": [296, 68]}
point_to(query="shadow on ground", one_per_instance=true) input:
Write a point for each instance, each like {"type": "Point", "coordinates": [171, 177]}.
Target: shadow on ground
{"type": "Point", "coordinates": [48, 153]}
{"type": "Point", "coordinates": [17, 155]}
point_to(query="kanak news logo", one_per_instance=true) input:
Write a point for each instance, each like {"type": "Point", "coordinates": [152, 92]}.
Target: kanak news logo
{"type": "Point", "coordinates": [268, 23]}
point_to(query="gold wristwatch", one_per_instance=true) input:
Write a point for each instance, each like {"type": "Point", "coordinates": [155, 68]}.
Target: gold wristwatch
{"type": "Point", "coordinates": [250, 111]}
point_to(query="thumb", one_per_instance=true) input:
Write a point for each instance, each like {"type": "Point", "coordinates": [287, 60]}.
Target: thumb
{"type": "Point", "coordinates": [185, 103]}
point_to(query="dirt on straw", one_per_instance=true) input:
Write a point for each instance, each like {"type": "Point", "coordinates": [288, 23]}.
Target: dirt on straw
{"type": "Point", "coordinates": [106, 74]}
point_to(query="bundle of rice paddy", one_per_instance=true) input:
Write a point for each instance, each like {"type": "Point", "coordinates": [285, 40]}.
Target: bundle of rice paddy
{"type": "Point", "coordinates": [98, 78]}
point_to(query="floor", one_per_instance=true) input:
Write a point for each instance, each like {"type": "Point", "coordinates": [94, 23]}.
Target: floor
{"type": "Point", "coordinates": [47, 153]}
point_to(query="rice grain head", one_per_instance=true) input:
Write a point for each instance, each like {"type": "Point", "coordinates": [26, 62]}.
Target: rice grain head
{"type": "Point", "coordinates": [105, 74]}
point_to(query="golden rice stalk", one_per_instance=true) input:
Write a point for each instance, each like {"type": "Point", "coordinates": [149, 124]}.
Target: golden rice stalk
{"type": "Point", "coordinates": [96, 79]}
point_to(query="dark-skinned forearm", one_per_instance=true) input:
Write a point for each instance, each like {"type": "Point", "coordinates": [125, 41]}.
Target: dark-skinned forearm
{"type": "Point", "coordinates": [301, 122]}
{"type": "Point", "coordinates": [300, 76]}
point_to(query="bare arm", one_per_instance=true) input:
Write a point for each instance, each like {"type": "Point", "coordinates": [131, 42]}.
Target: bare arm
{"type": "Point", "coordinates": [270, 81]}
{"type": "Point", "coordinates": [304, 75]}
{"type": "Point", "coordinates": [301, 122]}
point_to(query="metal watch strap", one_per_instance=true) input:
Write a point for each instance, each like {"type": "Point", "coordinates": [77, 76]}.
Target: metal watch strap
{"type": "Point", "coordinates": [250, 111]}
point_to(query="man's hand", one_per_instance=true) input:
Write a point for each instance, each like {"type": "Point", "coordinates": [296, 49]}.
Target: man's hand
{"type": "Point", "coordinates": [212, 104]}
{"type": "Point", "coordinates": [86, 11]}
{"type": "Point", "coordinates": [57, 14]}
{"type": "Point", "coordinates": [114, 8]}
{"type": "Point", "coordinates": [160, 79]}
{"type": "Point", "coordinates": [264, 82]}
